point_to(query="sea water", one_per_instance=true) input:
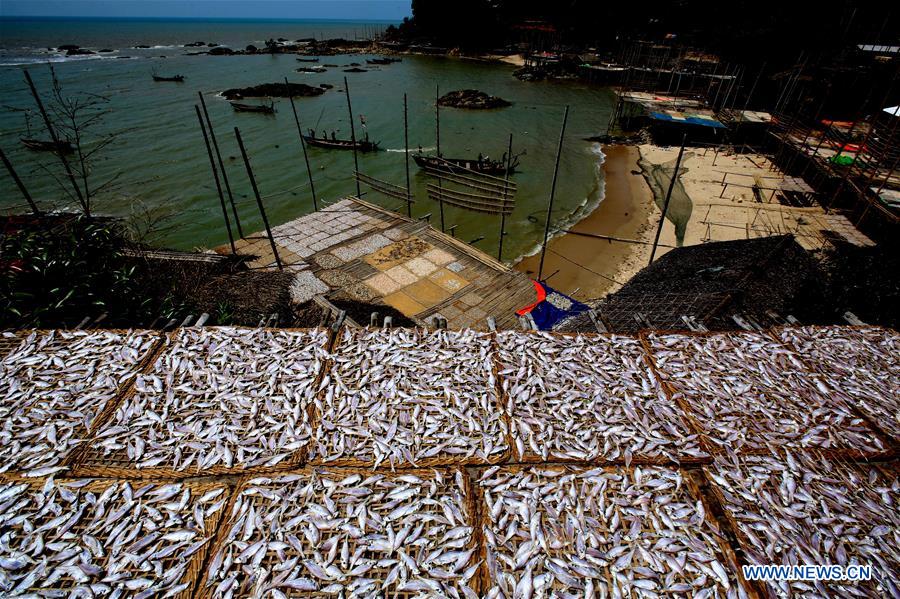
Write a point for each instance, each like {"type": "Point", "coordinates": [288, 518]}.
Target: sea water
{"type": "Point", "coordinates": [159, 160]}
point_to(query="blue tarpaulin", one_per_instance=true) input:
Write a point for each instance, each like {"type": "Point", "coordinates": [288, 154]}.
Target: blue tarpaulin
{"type": "Point", "coordinates": [551, 307]}
{"type": "Point", "coordinates": [690, 120]}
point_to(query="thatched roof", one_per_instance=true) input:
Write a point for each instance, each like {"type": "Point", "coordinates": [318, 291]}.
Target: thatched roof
{"type": "Point", "coordinates": [713, 281]}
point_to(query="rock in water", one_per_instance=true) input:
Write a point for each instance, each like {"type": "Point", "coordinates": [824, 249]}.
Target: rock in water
{"type": "Point", "coordinates": [272, 90]}
{"type": "Point", "coordinates": [473, 99]}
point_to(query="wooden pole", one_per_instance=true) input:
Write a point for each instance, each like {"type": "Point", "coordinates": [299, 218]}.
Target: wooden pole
{"type": "Point", "coordinates": [262, 209]}
{"type": "Point", "coordinates": [505, 194]}
{"type": "Point", "coordinates": [212, 164]}
{"type": "Point", "coordinates": [55, 138]}
{"type": "Point", "coordinates": [312, 186]}
{"type": "Point", "coordinates": [437, 137]}
{"type": "Point", "coordinates": [352, 137]}
{"type": "Point", "coordinates": [215, 143]}
{"type": "Point", "coordinates": [406, 154]}
{"type": "Point", "coordinates": [562, 134]}
{"type": "Point", "coordinates": [662, 217]}
{"type": "Point", "coordinates": [19, 184]}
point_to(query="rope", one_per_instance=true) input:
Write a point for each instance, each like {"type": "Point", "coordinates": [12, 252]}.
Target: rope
{"type": "Point", "coordinates": [585, 267]}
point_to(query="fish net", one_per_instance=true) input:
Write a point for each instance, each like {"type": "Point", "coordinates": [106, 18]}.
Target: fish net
{"type": "Point", "coordinates": [116, 529]}
{"type": "Point", "coordinates": [301, 533]}
{"type": "Point", "coordinates": [586, 398]}
{"type": "Point", "coordinates": [215, 401]}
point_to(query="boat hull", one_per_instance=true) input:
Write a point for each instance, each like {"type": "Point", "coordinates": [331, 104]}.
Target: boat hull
{"type": "Point", "coordinates": [340, 144]}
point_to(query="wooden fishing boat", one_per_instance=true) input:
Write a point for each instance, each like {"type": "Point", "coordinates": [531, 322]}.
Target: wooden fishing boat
{"type": "Point", "coordinates": [355, 70]}
{"type": "Point", "coordinates": [261, 108]}
{"type": "Point", "coordinates": [38, 145]}
{"type": "Point", "coordinates": [311, 69]}
{"type": "Point", "coordinates": [307, 59]}
{"type": "Point", "coordinates": [379, 61]}
{"type": "Point", "coordinates": [362, 145]}
{"type": "Point", "coordinates": [485, 165]}
{"type": "Point", "coordinates": [175, 78]}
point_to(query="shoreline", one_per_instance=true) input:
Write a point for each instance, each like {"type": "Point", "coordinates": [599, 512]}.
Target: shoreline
{"type": "Point", "coordinates": [627, 211]}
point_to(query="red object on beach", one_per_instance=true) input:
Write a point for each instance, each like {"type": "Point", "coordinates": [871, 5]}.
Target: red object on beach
{"type": "Point", "coordinates": [541, 296]}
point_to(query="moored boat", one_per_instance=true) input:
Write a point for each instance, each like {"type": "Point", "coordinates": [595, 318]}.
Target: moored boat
{"type": "Point", "coordinates": [362, 145]}
{"type": "Point", "coordinates": [262, 108]}
{"type": "Point", "coordinates": [300, 59]}
{"type": "Point", "coordinates": [38, 145]}
{"type": "Point", "coordinates": [478, 165]}
{"type": "Point", "coordinates": [175, 78]}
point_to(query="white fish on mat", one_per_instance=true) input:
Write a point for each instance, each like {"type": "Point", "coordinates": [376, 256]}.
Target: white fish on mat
{"type": "Point", "coordinates": [371, 535]}
{"type": "Point", "coordinates": [604, 532]}
{"type": "Point", "coordinates": [588, 397]}
{"type": "Point", "coordinates": [749, 392]}
{"type": "Point", "coordinates": [102, 538]}
{"type": "Point", "coordinates": [53, 386]}
{"type": "Point", "coordinates": [802, 508]}
{"type": "Point", "coordinates": [860, 365]}
{"type": "Point", "coordinates": [219, 397]}
{"type": "Point", "coordinates": [406, 396]}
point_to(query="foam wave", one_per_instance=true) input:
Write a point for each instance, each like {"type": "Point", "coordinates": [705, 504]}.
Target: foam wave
{"type": "Point", "coordinates": [587, 206]}
{"type": "Point", "coordinates": [57, 58]}
{"type": "Point", "coordinates": [411, 150]}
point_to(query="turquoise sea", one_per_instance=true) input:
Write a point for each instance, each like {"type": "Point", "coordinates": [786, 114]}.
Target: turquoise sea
{"type": "Point", "coordinates": [161, 162]}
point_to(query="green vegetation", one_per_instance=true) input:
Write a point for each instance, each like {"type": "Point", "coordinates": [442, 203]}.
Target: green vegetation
{"type": "Point", "coordinates": [52, 275]}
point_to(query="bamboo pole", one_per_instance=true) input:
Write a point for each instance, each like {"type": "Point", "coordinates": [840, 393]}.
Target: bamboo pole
{"type": "Point", "coordinates": [505, 197]}
{"type": "Point", "coordinates": [662, 217]}
{"type": "Point", "coordinates": [352, 136]}
{"type": "Point", "coordinates": [37, 98]}
{"type": "Point", "coordinates": [212, 164]}
{"type": "Point", "coordinates": [437, 119]}
{"type": "Point", "coordinates": [406, 155]}
{"type": "Point", "coordinates": [19, 184]}
{"type": "Point", "coordinates": [562, 134]}
{"type": "Point", "coordinates": [312, 186]}
{"type": "Point", "coordinates": [215, 143]}
{"type": "Point", "coordinates": [262, 209]}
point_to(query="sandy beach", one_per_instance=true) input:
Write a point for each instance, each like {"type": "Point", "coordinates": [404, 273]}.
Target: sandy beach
{"type": "Point", "coordinates": [627, 212]}
{"type": "Point", "coordinates": [734, 196]}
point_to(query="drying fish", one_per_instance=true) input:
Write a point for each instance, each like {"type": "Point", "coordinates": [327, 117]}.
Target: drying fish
{"type": "Point", "coordinates": [347, 535]}
{"type": "Point", "coordinates": [53, 386]}
{"type": "Point", "coordinates": [861, 364]}
{"type": "Point", "coordinates": [104, 539]}
{"type": "Point", "coordinates": [607, 532]}
{"type": "Point", "coordinates": [587, 398]}
{"type": "Point", "coordinates": [801, 508]}
{"type": "Point", "coordinates": [410, 396]}
{"type": "Point", "coordinates": [750, 392]}
{"type": "Point", "coordinates": [218, 398]}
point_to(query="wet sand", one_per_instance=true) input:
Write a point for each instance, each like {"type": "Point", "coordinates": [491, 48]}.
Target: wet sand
{"type": "Point", "coordinates": [627, 211]}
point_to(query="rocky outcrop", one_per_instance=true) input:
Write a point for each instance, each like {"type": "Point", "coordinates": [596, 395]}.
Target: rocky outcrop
{"type": "Point", "coordinates": [272, 90]}
{"type": "Point", "coordinates": [472, 99]}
